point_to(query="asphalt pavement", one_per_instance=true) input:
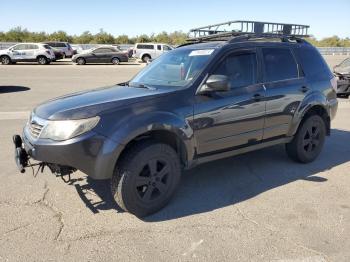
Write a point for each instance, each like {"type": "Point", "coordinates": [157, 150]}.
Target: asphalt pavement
{"type": "Point", "coordinates": [259, 206]}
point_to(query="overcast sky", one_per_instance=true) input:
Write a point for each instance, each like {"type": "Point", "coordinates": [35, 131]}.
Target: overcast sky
{"type": "Point", "coordinates": [135, 17]}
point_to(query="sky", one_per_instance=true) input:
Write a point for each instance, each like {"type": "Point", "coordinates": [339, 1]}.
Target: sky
{"type": "Point", "coordinates": [325, 17]}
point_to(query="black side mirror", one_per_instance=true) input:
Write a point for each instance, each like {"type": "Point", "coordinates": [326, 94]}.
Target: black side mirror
{"type": "Point", "coordinates": [215, 83]}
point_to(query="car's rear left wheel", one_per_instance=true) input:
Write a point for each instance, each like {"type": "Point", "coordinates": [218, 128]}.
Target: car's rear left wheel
{"type": "Point", "coordinates": [42, 60]}
{"type": "Point", "coordinates": [146, 177]}
{"type": "Point", "coordinates": [308, 142]}
{"type": "Point", "coordinates": [115, 61]}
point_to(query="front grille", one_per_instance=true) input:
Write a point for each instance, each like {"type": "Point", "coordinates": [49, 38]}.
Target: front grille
{"type": "Point", "coordinates": [35, 129]}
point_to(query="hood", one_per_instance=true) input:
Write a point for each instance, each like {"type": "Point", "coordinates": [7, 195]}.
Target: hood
{"type": "Point", "coordinates": [94, 102]}
{"type": "Point", "coordinates": [342, 70]}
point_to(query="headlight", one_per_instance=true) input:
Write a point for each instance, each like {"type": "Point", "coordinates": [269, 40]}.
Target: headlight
{"type": "Point", "coordinates": [65, 129]}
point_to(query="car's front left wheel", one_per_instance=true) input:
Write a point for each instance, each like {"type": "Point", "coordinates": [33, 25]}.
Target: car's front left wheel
{"type": "Point", "coordinates": [5, 60]}
{"type": "Point", "coordinates": [146, 177]}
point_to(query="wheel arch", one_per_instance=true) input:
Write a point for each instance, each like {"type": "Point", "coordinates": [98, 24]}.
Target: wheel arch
{"type": "Point", "coordinates": [315, 104]}
{"type": "Point", "coordinates": [162, 127]}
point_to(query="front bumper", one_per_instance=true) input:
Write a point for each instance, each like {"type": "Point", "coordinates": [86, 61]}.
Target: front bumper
{"type": "Point", "coordinates": [93, 154]}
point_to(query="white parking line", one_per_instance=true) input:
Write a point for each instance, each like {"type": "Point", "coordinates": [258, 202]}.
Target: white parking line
{"type": "Point", "coordinates": [14, 115]}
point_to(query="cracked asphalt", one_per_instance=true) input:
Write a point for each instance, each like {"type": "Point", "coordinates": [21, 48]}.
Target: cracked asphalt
{"type": "Point", "coordinates": [260, 206]}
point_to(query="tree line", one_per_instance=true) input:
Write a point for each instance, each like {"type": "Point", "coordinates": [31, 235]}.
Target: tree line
{"type": "Point", "coordinates": [19, 34]}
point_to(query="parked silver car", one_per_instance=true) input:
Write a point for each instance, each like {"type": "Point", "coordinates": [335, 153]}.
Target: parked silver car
{"type": "Point", "coordinates": [147, 51]}
{"type": "Point", "coordinates": [27, 52]}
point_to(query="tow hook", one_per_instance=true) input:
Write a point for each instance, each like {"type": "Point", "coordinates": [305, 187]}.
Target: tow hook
{"type": "Point", "coordinates": [21, 156]}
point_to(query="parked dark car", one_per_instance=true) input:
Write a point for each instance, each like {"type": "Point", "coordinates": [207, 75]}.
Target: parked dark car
{"type": "Point", "coordinates": [203, 101]}
{"type": "Point", "coordinates": [101, 55]}
{"type": "Point", "coordinates": [342, 72]}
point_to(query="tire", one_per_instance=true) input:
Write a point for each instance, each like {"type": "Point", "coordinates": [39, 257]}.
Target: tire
{"type": "Point", "coordinates": [42, 60]}
{"type": "Point", "coordinates": [146, 58]}
{"type": "Point", "coordinates": [308, 142]}
{"type": "Point", "coordinates": [115, 61]}
{"type": "Point", "coordinates": [5, 60]}
{"type": "Point", "coordinates": [81, 61]}
{"type": "Point", "coordinates": [145, 178]}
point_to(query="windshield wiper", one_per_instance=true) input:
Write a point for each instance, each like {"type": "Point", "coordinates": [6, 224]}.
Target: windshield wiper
{"type": "Point", "coordinates": [140, 85]}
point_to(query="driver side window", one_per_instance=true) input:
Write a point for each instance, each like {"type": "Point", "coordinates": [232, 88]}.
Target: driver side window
{"type": "Point", "coordinates": [240, 68]}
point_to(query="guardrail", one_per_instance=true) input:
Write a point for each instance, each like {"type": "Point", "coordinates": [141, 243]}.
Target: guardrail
{"type": "Point", "coordinates": [323, 50]}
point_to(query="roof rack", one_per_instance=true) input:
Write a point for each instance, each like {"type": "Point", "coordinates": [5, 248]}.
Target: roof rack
{"type": "Point", "coordinates": [228, 30]}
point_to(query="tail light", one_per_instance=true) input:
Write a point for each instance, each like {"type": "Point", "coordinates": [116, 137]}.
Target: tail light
{"type": "Point", "coordinates": [334, 83]}
{"type": "Point", "coordinates": [48, 52]}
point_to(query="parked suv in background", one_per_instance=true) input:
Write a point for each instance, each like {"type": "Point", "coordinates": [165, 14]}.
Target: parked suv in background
{"type": "Point", "coordinates": [27, 52]}
{"type": "Point", "coordinates": [147, 51]}
{"type": "Point", "coordinates": [63, 46]}
{"type": "Point", "coordinates": [200, 102]}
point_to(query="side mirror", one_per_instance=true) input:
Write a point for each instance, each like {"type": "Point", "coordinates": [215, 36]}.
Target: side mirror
{"type": "Point", "coordinates": [215, 83]}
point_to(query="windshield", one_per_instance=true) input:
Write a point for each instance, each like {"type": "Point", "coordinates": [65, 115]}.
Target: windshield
{"type": "Point", "coordinates": [176, 68]}
{"type": "Point", "coordinates": [345, 63]}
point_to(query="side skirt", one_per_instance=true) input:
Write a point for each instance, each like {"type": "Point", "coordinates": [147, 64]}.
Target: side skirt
{"type": "Point", "coordinates": [237, 151]}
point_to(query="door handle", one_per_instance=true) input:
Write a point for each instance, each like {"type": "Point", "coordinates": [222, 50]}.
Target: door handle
{"type": "Point", "coordinates": [257, 97]}
{"type": "Point", "coordinates": [304, 89]}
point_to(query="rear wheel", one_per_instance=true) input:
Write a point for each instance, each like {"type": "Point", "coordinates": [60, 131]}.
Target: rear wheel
{"type": "Point", "coordinates": [5, 60]}
{"type": "Point", "coordinates": [146, 178]}
{"type": "Point", "coordinates": [308, 141]}
{"type": "Point", "coordinates": [146, 58]}
{"type": "Point", "coordinates": [42, 60]}
{"type": "Point", "coordinates": [81, 61]}
{"type": "Point", "coordinates": [115, 61]}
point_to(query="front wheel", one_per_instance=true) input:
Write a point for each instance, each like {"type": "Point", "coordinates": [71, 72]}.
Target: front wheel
{"type": "Point", "coordinates": [5, 60]}
{"type": "Point", "coordinates": [81, 61]}
{"type": "Point", "coordinates": [146, 178]}
{"type": "Point", "coordinates": [308, 141]}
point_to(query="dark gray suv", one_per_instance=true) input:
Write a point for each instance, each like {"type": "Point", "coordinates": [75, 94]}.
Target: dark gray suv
{"type": "Point", "coordinates": [203, 101]}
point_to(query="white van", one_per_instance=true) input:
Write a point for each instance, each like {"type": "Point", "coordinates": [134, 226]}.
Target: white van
{"type": "Point", "coordinates": [147, 51]}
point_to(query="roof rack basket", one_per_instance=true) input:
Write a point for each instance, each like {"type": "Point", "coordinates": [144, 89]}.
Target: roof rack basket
{"type": "Point", "coordinates": [227, 30]}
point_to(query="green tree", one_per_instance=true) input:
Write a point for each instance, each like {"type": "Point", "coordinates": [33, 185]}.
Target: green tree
{"type": "Point", "coordinates": [103, 38]}
{"type": "Point", "coordinates": [122, 39]}
{"type": "Point", "coordinates": [60, 36]}
{"type": "Point", "coordinates": [85, 38]}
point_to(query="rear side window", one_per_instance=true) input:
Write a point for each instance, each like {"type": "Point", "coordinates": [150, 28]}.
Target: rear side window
{"type": "Point", "coordinates": [279, 64]}
{"type": "Point", "coordinates": [313, 64]}
{"type": "Point", "coordinates": [239, 68]}
{"type": "Point", "coordinates": [145, 46]}
{"type": "Point", "coordinates": [61, 45]}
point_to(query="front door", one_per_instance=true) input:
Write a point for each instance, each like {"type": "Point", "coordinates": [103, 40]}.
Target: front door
{"type": "Point", "coordinates": [224, 121]}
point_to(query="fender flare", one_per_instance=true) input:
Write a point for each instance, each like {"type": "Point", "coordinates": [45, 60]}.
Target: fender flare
{"type": "Point", "coordinates": [127, 131]}
{"type": "Point", "coordinates": [310, 101]}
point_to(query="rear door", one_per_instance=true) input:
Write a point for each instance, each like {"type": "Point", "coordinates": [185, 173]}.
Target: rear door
{"type": "Point", "coordinates": [224, 121]}
{"type": "Point", "coordinates": [30, 51]}
{"type": "Point", "coordinates": [285, 87]}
